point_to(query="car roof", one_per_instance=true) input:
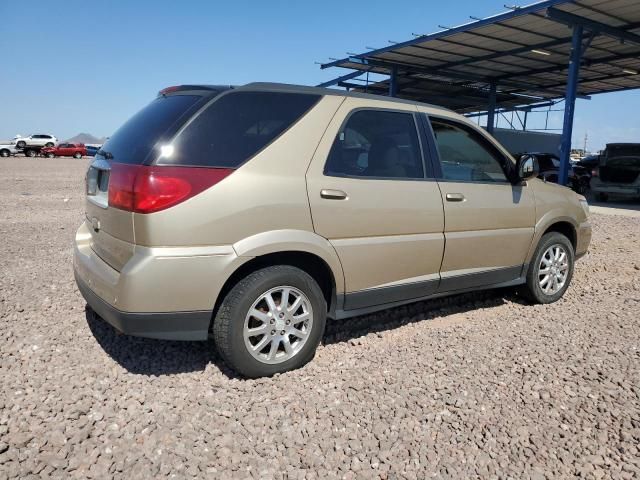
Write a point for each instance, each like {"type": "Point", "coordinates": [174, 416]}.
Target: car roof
{"type": "Point", "coordinates": [290, 88]}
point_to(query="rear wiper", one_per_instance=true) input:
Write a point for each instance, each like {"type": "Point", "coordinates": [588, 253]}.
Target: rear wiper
{"type": "Point", "coordinates": [105, 154]}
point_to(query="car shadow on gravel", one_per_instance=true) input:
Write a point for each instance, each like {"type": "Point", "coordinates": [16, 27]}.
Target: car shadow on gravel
{"type": "Point", "coordinates": [145, 356]}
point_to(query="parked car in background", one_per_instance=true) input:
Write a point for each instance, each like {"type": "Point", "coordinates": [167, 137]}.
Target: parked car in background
{"type": "Point", "coordinates": [7, 149]}
{"type": "Point", "coordinates": [91, 150]}
{"type": "Point", "coordinates": [618, 172]}
{"type": "Point", "coordinates": [76, 150]}
{"type": "Point", "coordinates": [36, 140]}
{"type": "Point", "coordinates": [252, 214]}
{"type": "Point", "coordinates": [550, 169]}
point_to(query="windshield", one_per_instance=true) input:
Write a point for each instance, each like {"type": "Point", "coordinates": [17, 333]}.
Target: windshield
{"type": "Point", "coordinates": [133, 142]}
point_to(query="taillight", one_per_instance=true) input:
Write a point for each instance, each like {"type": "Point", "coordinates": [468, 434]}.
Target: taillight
{"type": "Point", "coordinates": [594, 172]}
{"type": "Point", "coordinates": [143, 189]}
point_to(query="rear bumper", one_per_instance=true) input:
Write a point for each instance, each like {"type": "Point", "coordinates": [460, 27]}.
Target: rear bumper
{"type": "Point", "coordinates": [630, 190]}
{"type": "Point", "coordinates": [166, 326]}
{"type": "Point", "coordinates": [166, 292]}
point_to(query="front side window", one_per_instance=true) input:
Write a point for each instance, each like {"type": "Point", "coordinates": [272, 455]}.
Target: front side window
{"type": "Point", "coordinates": [379, 144]}
{"type": "Point", "coordinates": [465, 155]}
{"type": "Point", "coordinates": [237, 126]}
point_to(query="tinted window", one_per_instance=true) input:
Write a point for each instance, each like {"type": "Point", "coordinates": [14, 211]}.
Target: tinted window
{"type": "Point", "coordinates": [465, 155]}
{"type": "Point", "coordinates": [377, 143]}
{"type": "Point", "coordinates": [133, 142]}
{"type": "Point", "coordinates": [236, 126]}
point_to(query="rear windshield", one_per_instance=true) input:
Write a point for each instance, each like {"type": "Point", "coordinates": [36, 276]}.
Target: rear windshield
{"type": "Point", "coordinates": [235, 127]}
{"type": "Point", "coordinates": [134, 140]}
{"type": "Point", "coordinates": [623, 151]}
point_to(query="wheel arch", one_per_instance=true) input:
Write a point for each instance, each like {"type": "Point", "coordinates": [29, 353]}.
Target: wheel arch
{"type": "Point", "coordinates": [305, 250]}
{"type": "Point", "coordinates": [552, 222]}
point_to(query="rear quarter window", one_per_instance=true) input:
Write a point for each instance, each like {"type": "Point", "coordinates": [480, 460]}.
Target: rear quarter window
{"type": "Point", "coordinates": [134, 141]}
{"type": "Point", "coordinates": [235, 127]}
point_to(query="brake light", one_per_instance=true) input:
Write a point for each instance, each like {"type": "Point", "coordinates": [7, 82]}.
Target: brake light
{"type": "Point", "coordinates": [167, 90]}
{"type": "Point", "coordinates": [149, 189]}
{"type": "Point", "coordinates": [595, 172]}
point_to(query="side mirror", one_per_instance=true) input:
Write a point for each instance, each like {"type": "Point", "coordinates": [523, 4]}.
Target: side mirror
{"type": "Point", "coordinates": [527, 167]}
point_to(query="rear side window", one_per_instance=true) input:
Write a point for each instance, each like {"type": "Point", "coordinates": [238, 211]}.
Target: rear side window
{"type": "Point", "coordinates": [378, 144]}
{"type": "Point", "coordinates": [135, 140]}
{"type": "Point", "coordinates": [235, 127]}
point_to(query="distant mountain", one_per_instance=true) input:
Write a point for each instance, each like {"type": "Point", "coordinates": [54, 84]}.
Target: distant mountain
{"type": "Point", "coordinates": [87, 139]}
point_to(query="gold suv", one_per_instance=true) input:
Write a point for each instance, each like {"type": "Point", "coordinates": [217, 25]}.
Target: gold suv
{"type": "Point", "coordinates": [252, 214]}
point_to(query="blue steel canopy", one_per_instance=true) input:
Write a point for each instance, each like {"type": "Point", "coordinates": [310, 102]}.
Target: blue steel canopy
{"type": "Point", "coordinates": [524, 52]}
{"type": "Point", "coordinates": [530, 55]}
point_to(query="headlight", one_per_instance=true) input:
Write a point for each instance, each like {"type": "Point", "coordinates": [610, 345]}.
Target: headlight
{"type": "Point", "coordinates": [585, 207]}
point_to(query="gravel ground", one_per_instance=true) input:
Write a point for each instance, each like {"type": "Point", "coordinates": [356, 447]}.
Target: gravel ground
{"type": "Point", "coordinates": [473, 386]}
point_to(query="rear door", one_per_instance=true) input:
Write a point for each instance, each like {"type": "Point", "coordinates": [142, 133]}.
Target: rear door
{"type": "Point", "coordinates": [135, 143]}
{"type": "Point", "coordinates": [371, 196]}
{"type": "Point", "coordinates": [489, 222]}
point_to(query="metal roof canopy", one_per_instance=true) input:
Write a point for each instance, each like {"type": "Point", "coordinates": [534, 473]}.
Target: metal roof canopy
{"type": "Point", "coordinates": [526, 57]}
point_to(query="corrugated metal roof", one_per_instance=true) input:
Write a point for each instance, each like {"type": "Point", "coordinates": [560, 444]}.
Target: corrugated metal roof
{"type": "Point", "coordinates": [525, 51]}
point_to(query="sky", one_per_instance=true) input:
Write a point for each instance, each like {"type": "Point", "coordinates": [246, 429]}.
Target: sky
{"type": "Point", "coordinates": [86, 66]}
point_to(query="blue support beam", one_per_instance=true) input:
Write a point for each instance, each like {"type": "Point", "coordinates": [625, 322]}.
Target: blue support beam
{"type": "Point", "coordinates": [393, 82]}
{"type": "Point", "coordinates": [491, 112]}
{"type": "Point", "coordinates": [343, 78]}
{"type": "Point", "coordinates": [570, 104]}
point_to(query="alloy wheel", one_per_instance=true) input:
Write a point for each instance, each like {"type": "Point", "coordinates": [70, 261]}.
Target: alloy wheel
{"type": "Point", "coordinates": [553, 269]}
{"type": "Point", "coordinates": [278, 325]}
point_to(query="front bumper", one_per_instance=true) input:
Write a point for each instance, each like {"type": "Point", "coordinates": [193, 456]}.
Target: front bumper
{"type": "Point", "coordinates": [583, 239]}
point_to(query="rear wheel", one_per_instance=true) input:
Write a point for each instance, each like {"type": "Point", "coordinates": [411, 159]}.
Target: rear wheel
{"type": "Point", "coordinates": [270, 322]}
{"type": "Point", "coordinates": [50, 155]}
{"type": "Point", "coordinates": [48, 144]}
{"type": "Point", "coordinates": [4, 153]}
{"type": "Point", "coordinates": [602, 197]}
{"type": "Point", "coordinates": [551, 269]}
{"type": "Point", "coordinates": [21, 144]}
{"type": "Point", "coordinates": [30, 153]}
{"type": "Point", "coordinates": [77, 155]}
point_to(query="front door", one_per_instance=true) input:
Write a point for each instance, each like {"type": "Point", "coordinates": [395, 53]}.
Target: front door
{"type": "Point", "coordinates": [489, 222]}
{"type": "Point", "coordinates": [371, 197]}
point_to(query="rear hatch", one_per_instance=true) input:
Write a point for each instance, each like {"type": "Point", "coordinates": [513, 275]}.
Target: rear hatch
{"type": "Point", "coordinates": [136, 143]}
{"type": "Point", "coordinates": [620, 163]}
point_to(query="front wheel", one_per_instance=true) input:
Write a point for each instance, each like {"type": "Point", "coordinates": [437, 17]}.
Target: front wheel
{"type": "Point", "coordinates": [30, 153]}
{"type": "Point", "coordinates": [4, 153]}
{"type": "Point", "coordinates": [21, 144]}
{"type": "Point", "coordinates": [270, 322]}
{"type": "Point", "coordinates": [48, 144]}
{"type": "Point", "coordinates": [50, 155]}
{"type": "Point", "coordinates": [551, 269]}
{"type": "Point", "coordinates": [77, 155]}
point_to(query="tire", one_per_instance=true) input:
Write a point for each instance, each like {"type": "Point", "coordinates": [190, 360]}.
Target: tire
{"type": "Point", "coordinates": [249, 294]}
{"type": "Point", "coordinates": [602, 197]}
{"type": "Point", "coordinates": [48, 144]}
{"type": "Point", "coordinates": [5, 153]}
{"type": "Point", "coordinates": [30, 153]}
{"type": "Point", "coordinates": [50, 155]}
{"type": "Point", "coordinates": [77, 155]}
{"type": "Point", "coordinates": [21, 144]}
{"type": "Point", "coordinates": [536, 289]}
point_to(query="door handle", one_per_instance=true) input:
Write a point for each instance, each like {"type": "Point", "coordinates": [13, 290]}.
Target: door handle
{"type": "Point", "coordinates": [455, 197]}
{"type": "Point", "coordinates": [333, 194]}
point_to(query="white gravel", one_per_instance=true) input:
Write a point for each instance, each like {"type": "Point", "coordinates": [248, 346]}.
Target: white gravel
{"type": "Point", "coordinates": [473, 386]}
